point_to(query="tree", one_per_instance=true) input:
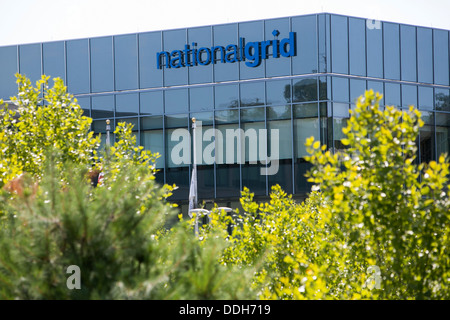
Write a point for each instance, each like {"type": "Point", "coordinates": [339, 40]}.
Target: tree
{"type": "Point", "coordinates": [46, 118]}
{"type": "Point", "coordinates": [385, 210]}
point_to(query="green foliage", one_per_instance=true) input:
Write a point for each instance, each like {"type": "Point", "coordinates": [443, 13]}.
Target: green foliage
{"type": "Point", "coordinates": [384, 209]}
{"type": "Point", "coordinates": [46, 118]}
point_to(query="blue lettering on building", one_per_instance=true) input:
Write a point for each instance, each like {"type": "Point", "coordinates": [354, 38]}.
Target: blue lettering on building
{"type": "Point", "coordinates": [251, 53]}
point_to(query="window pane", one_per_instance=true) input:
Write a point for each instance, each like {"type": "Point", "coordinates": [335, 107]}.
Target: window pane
{"type": "Point", "coordinates": [103, 106]}
{"type": "Point", "coordinates": [226, 34]}
{"type": "Point", "coordinates": [281, 150]}
{"type": "Point", "coordinates": [226, 116]}
{"type": "Point", "coordinates": [126, 64]}
{"type": "Point", "coordinates": [253, 114]}
{"type": "Point", "coordinates": [205, 117]}
{"type": "Point", "coordinates": [30, 61]}
{"type": "Point", "coordinates": [201, 98]}
{"type": "Point", "coordinates": [441, 64]}
{"type": "Point", "coordinates": [276, 66]}
{"type": "Point", "coordinates": [278, 92]}
{"type": "Point", "coordinates": [339, 44]}
{"type": "Point", "coordinates": [127, 105]}
{"type": "Point", "coordinates": [78, 66]}
{"type": "Point", "coordinates": [278, 113]}
{"type": "Point", "coordinates": [176, 101]}
{"type": "Point", "coordinates": [442, 133]}
{"type": "Point", "coordinates": [201, 36]}
{"type": "Point", "coordinates": [252, 94]}
{"type": "Point", "coordinates": [8, 67]}
{"type": "Point", "coordinates": [85, 104]}
{"type": "Point", "coordinates": [251, 32]}
{"type": "Point", "coordinates": [425, 55]}
{"type": "Point", "coordinates": [340, 89]}
{"type": "Point", "coordinates": [338, 135]}
{"type": "Point", "coordinates": [357, 45]}
{"type": "Point", "coordinates": [305, 110]}
{"type": "Point", "coordinates": [306, 58]}
{"type": "Point", "coordinates": [305, 89]}
{"type": "Point", "coordinates": [174, 40]}
{"type": "Point", "coordinates": [153, 140]}
{"type": "Point", "coordinates": [54, 60]}
{"type": "Point", "coordinates": [442, 99]}
{"type": "Point", "coordinates": [251, 173]}
{"type": "Point", "coordinates": [426, 136]}
{"type": "Point", "coordinates": [376, 86]}
{"type": "Point", "coordinates": [409, 95]}
{"type": "Point", "coordinates": [303, 129]}
{"type": "Point", "coordinates": [149, 45]}
{"type": "Point", "coordinates": [148, 123]}
{"type": "Point", "coordinates": [226, 96]}
{"type": "Point", "coordinates": [324, 89]}
{"type": "Point", "coordinates": [426, 98]}
{"type": "Point", "coordinates": [391, 51]}
{"type": "Point", "coordinates": [357, 89]}
{"type": "Point", "coordinates": [374, 51]}
{"type": "Point", "coordinates": [392, 94]}
{"type": "Point", "coordinates": [151, 102]}
{"type": "Point", "coordinates": [102, 64]}
{"type": "Point", "coordinates": [408, 61]}
{"type": "Point", "coordinates": [227, 180]}
{"type": "Point", "coordinates": [177, 121]}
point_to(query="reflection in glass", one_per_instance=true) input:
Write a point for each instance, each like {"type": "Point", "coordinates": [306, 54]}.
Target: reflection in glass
{"type": "Point", "coordinates": [441, 62]}
{"type": "Point", "coordinates": [174, 40]}
{"type": "Point", "coordinates": [357, 46]}
{"type": "Point", "coordinates": [252, 94]}
{"type": "Point", "coordinates": [306, 58]}
{"type": "Point", "coordinates": [278, 92]}
{"type": "Point", "coordinates": [375, 52]}
{"type": "Point", "coordinates": [126, 62]}
{"type": "Point", "coordinates": [426, 98]}
{"type": "Point", "coordinates": [149, 45]}
{"type": "Point", "coordinates": [340, 89]}
{"type": "Point", "coordinates": [103, 106]}
{"type": "Point", "coordinates": [442, 133]}
{"type": "Point", "coordinates": [425, 55]}
{"type": "Point", "coordinates": [253, 114]}
{"type": "Point", "coordinates": [201, 36]}
{"type": "Point", "coordinates": [392, 94]}
{"type": "Point", "coordinates": [391, 51]}
{"type": "Point", "coordinates": [8, 65]}
{"type": "Point", "coordinates": [30, 61]}
{"type": "Point", "coordinates": [54, 60]}
{"type": "Point", "coordinates": [153, 140]}
{"type": "Point", "coordinates": [409, 95]}
{"type": "Point", "coordinates": [225, 34]}
{"type": "Point", "coordinates": [305, 90]}
{"type": "Point", "coordinates": [176, 101]}
{"type": "Point", "coordinates": [201, 98]}
{"type": "Point", "coordinates": [127, 104]}
{"type": "Point", "coordinates": [226, 96]}
{"type": "Point", "coordinates": [252, 31]}
{"type": "Point", "coordinates": [408, 53]}
{"type": "Point", "coordinates": [148, 123]}
{"type": "Point", "coordinates": [357, 89]}
{"type": "Point", "coordinates": [442, 99]}
{"type": "Point", "coordinates": [279, 113]}
{"type": "Point", "coordinates": [276, 67]}
{"type": "Point", "coordinates": [339, 44]}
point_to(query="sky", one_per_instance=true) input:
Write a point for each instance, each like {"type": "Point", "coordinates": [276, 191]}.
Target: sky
{"type": "Point", "coordinates": [31, 21]}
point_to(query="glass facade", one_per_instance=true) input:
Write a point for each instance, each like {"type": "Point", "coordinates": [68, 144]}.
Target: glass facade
{"type": "Point", "coordinates": [284, 98]}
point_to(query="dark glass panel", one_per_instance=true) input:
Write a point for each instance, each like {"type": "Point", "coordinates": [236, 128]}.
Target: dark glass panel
{"type": "Point", "coordinates": [54, 60]}
{"type": "Point", "coordinates": [103, 106]}
{"type": "Point", "coordinates": [253, 114]}
{"type": "Point", "coordinates": [283, 176]}
{"type": "Point", "coordinates": [151, 102]}
{"type": "Point", "coordinates": [180, 177]}
{"type": "Point", "coordinates": [278, 92]}
{"type": "Point", "coordinates": [175, 40]}
{"type": "Point", "coordinates": [225, 35]}
{"type": "Point", "coordinates": [357, 46]}
{"type": "Point", "coordinates": [226, 96]}
{"type": "Point", "coordinates": [78, 66]}
{"type": "Point", "coordinates": [205, 117]}
{"type": "Point", "coordinates": [102, 75]}
{"type": "Point", "coordinates": [306, 58]}
{"type": "Point", "coordinates": [85, 104]}
{"type": "Point", "coordinates": [391, 51]}
{"type": "Point", "coordinates": [409, 95]}
{"type": "Point", "coordinates": [228, 180]}
{"type": "Point", "coordinates": [177, 121]}
{"type": "Point", "coordinates": [374, 36]}
{"type": "Point", "coordinates": [324, 89]}
{"type": "Point", "coordinates": [226, 116]}
{"type": "Point", "coordinates": [425, 55]}
{"type": "Point", "coordinates": [441, 58]}
{"type": "Point", "coordinates": [339, 44]}
{"type": "Point", "coordinates": [305, 110]}
{"type": "Point", "coordinates": [253, 179]}
{"type": "Point", "coordinates": [278, 113]}
{"type": "Point", "coordinates": [252, 94]}
{"type": "Point", "coordinates": [442, 133]}
{"type": "Point", "coordinates": [408, 53]}
{"type": "Point", "coordinates": [340, 89]}
{"type": "Point", "coordinates": [126, 62]}
{"type": "Point", "coordinates": [200, 73]}
{"type": "Point", "coordinates": [426, 98]}
{"type": "Point", "coordinates": [252, 32]}
{"type": "Point", "coordinates": [153, 140]}
{"type": "Point", "coordinates": [338, 135]}
{"type": "Point", "coordinates": [148, 123]}
{"type": "Point", "coordinates": [201, 98]}
{"type": "Point", "coordinates": [30, 61]}
{"type": "Point", "coordinates": [127, 104]}
{"type": "Point", "coordinates": [205, 182]}
{"type": "Point", "coordinates": [149, 45]}
{"type": "Point", "coordinates": [276, 66]}
{"type": "Point", "coordinates": [305, 89]}
{"type": "Point", "coordinates": [8, 67]}
{"type": "Point", "coordinates": [442, 99]}
{"type": "Point", "coordinates": [176, 101]}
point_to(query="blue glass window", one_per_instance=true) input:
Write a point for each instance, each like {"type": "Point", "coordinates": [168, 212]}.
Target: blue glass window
{"type": "Point", "coordinates": [357, 46]}
{"type": "Point", "coordinates": [201, 73]}
{"type": "Point", "coordinates": [225, 35]}
{"type": "Point", "coordinates": [441, 64]}
{"type": "Point", "coordinates": [252, 94]}
{"type": "Point", "coordinates": [426, 98]}
{"type": "Point", "coordinates": [374, 36]}
{"type": "Point", "coordinates": [252, 32]}
{"type": "Point", "coordinates": [175, 40]}
{"type": "Point", "coordinates": [425, 55]}
{"type": "Point", "coordinates": [304, 89]}
{"type": "Point", "coordinates": [201, 98]}
{"type": "Point", "coordinates": [391, 51]}
{"type": "Point", "coordinates": [85, 104]}
{"type": "Point", "coordinates": [151, 103]}
{"type": "Point", "coordinates": [102, 64]}
{"type": "Point", "coordinates": [306, 58]}
{"type": "Point", "coordinates": [226, 96]}
{"type": "Point", "coordinates": [8, 65]}
{"type": "Point", "coordinates": [392, 94]}
{"type": "Point", "coordinates": [149, 45]}
{"type": "Point", "coordinates": [442, 99]}
{"type": "Point", "coordinates": [340, 89]}
{"type": "Point", "coordinates": [54, 60]}
{"type": "Point", "coordinates": [103, 106]}
{"type": "Point", "coordinates": [276, 66]}
{"type": "Point", "coordinates": [278, 92]}
{"type": "Point", "coordinates": [357, 89]}
{"type": "Point", "coordinates": [127, 105]}
{"type": "Point", "coordinates": [78, 66]}
{"type": "Point", "coordinates": [408, 50]}
{"type": "Point", "coordinates": [30, 61]}
{"type": "Point", "coordinates": [126, 62]}
{"type": "Point", "coordinates": [339, 44]}
{"type": "Point", "coordinates": [409, 95]}
{"type": "Point", "coordinates": [176, 101]}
